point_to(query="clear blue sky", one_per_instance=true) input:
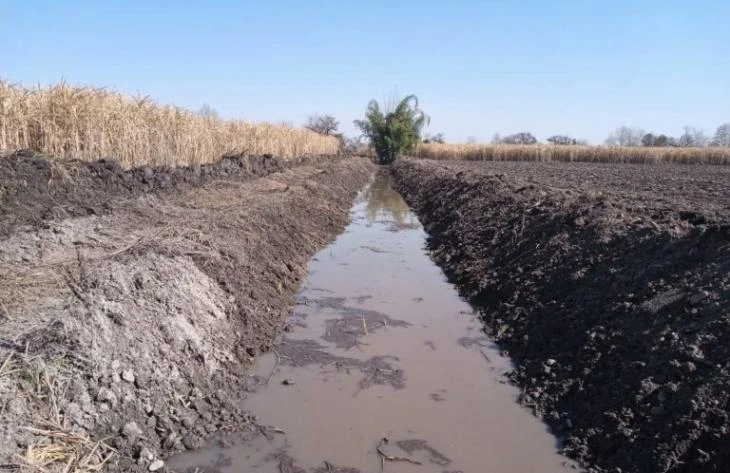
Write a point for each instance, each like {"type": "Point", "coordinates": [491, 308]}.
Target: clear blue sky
{"type": "Point", "coordinates": [576, 67]}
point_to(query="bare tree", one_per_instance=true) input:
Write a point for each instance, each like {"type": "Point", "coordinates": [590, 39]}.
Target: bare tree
{"type": "Point", "coordinates": [522, 138]}
{"type": "Point", "coordinates": [692, 137]}
{"type": "Point", "coordinates": [562, 140]}
{"type": "Point", "coordinates": [206, 111]}
{"type": "Point", "coordinates": [322, 124]}
{"type": "Point", "coordinates": [496, 139]}
{"type": "Point", "coordinates": [352, 146]}
{"type": "Point", "coordinates": [722, 136]}
{"type": "Point", "coordinates": [437, 138]}
{"type": "Point", "coordinates": [625, 136]}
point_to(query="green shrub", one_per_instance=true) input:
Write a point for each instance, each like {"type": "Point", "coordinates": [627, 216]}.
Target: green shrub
{"type": "Point", "coordinates": [393, 133]}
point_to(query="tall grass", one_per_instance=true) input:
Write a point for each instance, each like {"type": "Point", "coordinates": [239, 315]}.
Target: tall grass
{"type": "Point", "coordinates": [598, 154]}
{"type": "Point", "coordinates": [87, 123]}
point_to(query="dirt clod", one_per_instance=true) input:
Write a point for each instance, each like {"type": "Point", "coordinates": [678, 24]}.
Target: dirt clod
{"type": "Point", "coordinates": [193, 442]}
{"type": "Point", "coordinates": [131, 431]}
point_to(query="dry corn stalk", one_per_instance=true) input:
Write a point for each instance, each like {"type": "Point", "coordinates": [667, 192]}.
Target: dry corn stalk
{"type": "Point", "coordinates": [87, 123]}
{"type": "Point", "coordinates": [564, 153]}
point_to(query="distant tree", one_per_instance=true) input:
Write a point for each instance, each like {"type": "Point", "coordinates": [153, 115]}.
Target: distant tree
{"type": "Point", "coordinates": [522, 138]}
{"type": "Point", "coordinates": [562, 140]}
{"type": "Point", "coordinates": [648, 139]}
{"type": "Point", "coordinates": [625, 136]}
{"type": "Point", "coordinates": [496, 139]}
{"type": "Point", "coordinates": [663, 140]}
{"type": "Point", "coordinates": [322, 124]}
{"type": "Point", "coordinates": [206, 111]}
{"type": "Point", "coordinates": [472, 140]}
{"type": "Point", "coordinates": [722, 136]}
{"type": "Point", "coordinates": [692, 137]}
{"type": "Point", "coordinates": [437, 138]}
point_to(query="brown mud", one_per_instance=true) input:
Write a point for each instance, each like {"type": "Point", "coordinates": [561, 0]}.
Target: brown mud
{"type": "Point", "coordinates": [133, 303]}
{"type": "Point", "coordinates": [609, 286]}
{"type": "Point", "coordinates": [381, 367]}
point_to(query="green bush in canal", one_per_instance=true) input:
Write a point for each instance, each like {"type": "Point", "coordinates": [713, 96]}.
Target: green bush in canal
{"type": "Point", "coordinates": [393, 133]}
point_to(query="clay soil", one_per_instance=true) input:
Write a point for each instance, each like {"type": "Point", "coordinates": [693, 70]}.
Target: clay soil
{"type": "Point", "coordinates": [133, 303]}
{"type": "Point", "coordinates": [609, 286]}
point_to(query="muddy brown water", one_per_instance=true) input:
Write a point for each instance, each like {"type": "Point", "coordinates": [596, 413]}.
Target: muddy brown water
{"type": "Point", "coordinates": [380, 346]}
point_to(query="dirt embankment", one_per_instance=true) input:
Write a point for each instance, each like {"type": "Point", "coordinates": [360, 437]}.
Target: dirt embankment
{"type": "Point", "coordinates": [34, 189]}
{"type": "Point", "coordinates": [609, 286]}
{"type": "Point", "coordinates": [126, 333]}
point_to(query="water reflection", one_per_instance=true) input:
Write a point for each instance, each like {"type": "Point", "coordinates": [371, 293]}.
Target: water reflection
{"type": "Point", "coordinates": [384, 203]}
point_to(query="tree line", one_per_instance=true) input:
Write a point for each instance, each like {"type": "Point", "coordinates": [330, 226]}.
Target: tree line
{"type": "Point", "coordinates": [397, 129]}
{"type": "Point", "coordinates": [622, 136]}
{"type": "Point", "coordinates": [527, 138]}
{"type": "Point", "coordinates": [690, 137]}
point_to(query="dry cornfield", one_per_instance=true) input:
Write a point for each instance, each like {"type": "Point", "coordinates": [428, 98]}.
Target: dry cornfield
{"type": "Point", "coordinates": [598, 154]}
{"type": "Point", "coordinates": [87, 123]}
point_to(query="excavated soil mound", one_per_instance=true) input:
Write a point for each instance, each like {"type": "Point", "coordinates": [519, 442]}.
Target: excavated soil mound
{"type": "Point", "coordinates": [126, 333]}
{"type": "Point", "coordinates": [609, 286]}
{"type": "Point", "coordinates": [34, 188]}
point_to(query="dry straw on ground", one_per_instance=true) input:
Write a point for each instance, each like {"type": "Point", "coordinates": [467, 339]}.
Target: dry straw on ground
{"type": "Point", "coordinates": [55, 447]}
{"type": "Point", "coordinates": [599, 154]}
{"type": "Point", "coordinates": [89, 123]}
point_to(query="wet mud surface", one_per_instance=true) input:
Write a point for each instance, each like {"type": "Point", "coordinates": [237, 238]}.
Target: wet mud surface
{"type": "Point", "coordinates": [609, 286]}
{"type": "Point", "coordinates": [127, 332]}
{"type": "Point", "coordinates": [381, 366]}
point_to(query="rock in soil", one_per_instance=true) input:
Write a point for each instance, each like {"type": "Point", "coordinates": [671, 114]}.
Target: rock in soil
{"type": "Point", "coordinates": [128, 376]}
